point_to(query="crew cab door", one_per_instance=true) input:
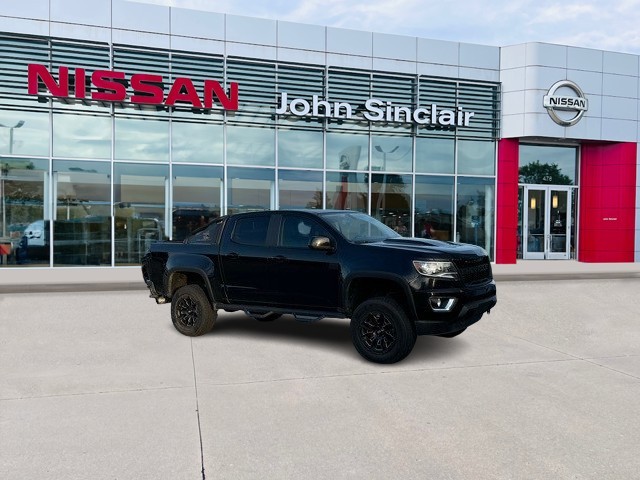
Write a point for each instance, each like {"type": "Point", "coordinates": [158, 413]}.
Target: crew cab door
{"type": "Point", "coordinates": [308, 279]}
{"type": "Point", "coordinates": [245, 255]}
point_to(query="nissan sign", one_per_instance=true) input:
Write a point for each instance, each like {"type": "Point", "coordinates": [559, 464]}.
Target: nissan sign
{"type": "Point", "coordinates": [140, 88]}
{"type": "Point", "coordinates": [557, 104]}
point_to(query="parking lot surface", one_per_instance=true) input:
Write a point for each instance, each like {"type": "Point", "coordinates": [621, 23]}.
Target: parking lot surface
{"type": "Point", "coordinates": [100, 385]}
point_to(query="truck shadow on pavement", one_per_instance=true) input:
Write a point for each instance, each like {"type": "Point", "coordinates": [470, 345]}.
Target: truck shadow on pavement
{"type": "Point", "coordinates": [329, 333]}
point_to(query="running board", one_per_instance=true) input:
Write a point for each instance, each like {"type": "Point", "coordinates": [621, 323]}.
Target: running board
{"type": "Point", "coordinates": [307, 318]}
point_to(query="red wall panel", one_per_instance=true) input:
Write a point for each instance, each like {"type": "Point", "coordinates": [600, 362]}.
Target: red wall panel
{"type": "Point", "coordinates": [607, 202]}
{"type": "Point", "coordinates": [507, 201]}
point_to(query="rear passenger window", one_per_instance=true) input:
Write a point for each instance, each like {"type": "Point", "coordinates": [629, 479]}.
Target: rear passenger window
{"type": "Point", "coordinates": [251, 231]}
{"type": "Point", "coordinates": [208, 235]}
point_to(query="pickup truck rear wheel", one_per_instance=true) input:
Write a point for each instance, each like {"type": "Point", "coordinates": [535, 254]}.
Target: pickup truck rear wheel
{"type": "Point", "coordinates": [191, 312]}
{"type": "Point", "coordinates": [381, 331]}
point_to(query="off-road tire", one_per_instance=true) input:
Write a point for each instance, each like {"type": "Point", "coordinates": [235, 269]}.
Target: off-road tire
{"type": "Point", "coordinates": [381, 331]}
{"type": "Point", "coordinates": [191, 312]}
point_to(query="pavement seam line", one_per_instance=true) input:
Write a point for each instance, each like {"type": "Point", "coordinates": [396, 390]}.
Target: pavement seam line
{"type": "Point", "coordinates": [385, 372]}
{"type": "Point", "coordinates": [612, 369]}
{"type": "Point", "coordinates": [80, 394]}
{"type": "Point", "coordinates": [434, 369]}
{"type": "Point", "coordinates": [584, 359]}
{"type": "Point", "coordinates": [195, 384]}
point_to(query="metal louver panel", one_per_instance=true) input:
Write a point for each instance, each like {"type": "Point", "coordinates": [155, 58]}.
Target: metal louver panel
{"type": "Point", "coordinates": [133, 61]}
{"type": "Point", "coordinates": [257, 90]}
{"type": "Point", "coordinates": [484, 100]}
{"type": "Point", "coordinates": [301, 82]}
{"type": "Point", "coordinates": [348, 86]}
{"type": "Point", "coordinates": [399, 90]}
{"type": "Point", "coordinates": [198, 68]}
{"type": "Point", "coordinates": [90, 57]}
{"type": "Point", "coordinates": [15, 54]}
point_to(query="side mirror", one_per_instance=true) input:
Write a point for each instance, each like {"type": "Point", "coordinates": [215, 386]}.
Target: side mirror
{"type": "Point", "coordinates": [321, 243]}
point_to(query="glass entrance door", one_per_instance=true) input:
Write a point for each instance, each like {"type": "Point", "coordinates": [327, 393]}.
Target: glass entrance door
{"type": "Point", "coordinates": [547, 223]}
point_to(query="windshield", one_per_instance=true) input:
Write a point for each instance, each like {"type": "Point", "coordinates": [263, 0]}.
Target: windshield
{"type": "Point", "coordinates": [358, 227]}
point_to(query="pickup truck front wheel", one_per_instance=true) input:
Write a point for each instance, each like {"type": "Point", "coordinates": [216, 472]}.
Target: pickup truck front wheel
{"type": "Point", "coordinates": [381, 331]}
{"type": "Point", "coordinates": [191, 312]}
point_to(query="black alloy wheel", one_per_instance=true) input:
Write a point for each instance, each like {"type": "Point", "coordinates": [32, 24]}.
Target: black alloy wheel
{"type": "Point", "coordinates": [381, 331]}
{"type": "Point", "coordinates": [191, 311]}
{"type": "Point", "coordinates": [187, 311]}
{"type": "Point", "coordinates": [378, 333]}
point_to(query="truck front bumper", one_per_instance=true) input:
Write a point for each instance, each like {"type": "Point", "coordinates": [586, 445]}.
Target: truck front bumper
{"type": "Point", "coordinates": [471, 304]}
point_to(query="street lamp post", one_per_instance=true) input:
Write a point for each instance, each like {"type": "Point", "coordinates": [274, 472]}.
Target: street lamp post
{"type": "Point", "coordinates": [17, 125]}
{"type": "Point", "coordinates": [384, 169]}
{"type": "Point", "coordinates": [4, 172]}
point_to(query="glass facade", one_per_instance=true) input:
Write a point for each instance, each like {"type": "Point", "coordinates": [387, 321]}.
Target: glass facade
{"type": "Point", "coordinates": [87, 182]}
{"type": "Point", "coordinates": [547, 200]}
{"type": "Point", "coordinates": [546, 164]}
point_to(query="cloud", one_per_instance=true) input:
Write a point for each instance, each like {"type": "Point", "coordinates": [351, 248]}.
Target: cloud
{"type": "Point", "coordinates": [587, 23]}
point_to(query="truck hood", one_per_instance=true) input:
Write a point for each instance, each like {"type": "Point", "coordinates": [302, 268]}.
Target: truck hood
{"type": "Point", "coordinates": [425, 246]}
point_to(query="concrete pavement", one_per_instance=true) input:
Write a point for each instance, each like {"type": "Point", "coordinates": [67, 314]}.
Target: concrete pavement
{"type": "Point", "coordinates": [91, 279]}
{"type": "Point", "coordinates": [100, 385]}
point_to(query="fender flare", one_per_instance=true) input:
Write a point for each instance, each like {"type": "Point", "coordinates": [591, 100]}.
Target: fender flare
{"type": "Point", "coordinates": [374, 275]}
{"type": "Point", "coordinates": [193, 264]}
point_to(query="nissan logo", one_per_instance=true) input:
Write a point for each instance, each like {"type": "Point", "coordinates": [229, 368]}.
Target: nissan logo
{"type": "Point", "coordinates": [562, 103]}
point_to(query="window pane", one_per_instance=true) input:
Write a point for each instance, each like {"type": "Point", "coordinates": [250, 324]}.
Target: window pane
{"type": "Point", "coordinates": [391, 154]}
{"type": "Point", "coordinates": [251, 230]}
{"type": "Point", "coordinates": [140, 193]}
{"type": "Point", "coordinates": [142, 139]}
{"type": "Point", "coordinates": [475, 212]}
{"type": "Point", "coordinates": [209, 235]}
{"type": "Point", "coordinates": [196, 142]}
{"type": "Point", "coordinates": [24, 234]}
{"type": "Point", "coordinates": [347, 151]}
{"type": "Point", "coordinates": [434, 207]}
{"type": "Point", "coordinates": [197, 199]}
{"type": "Point", "coordinates": [476, 158]}
{"type": "Point", "coordinates": [250, 146]}
{"type": "Point", "coordinates": [347, 191]}
{"type": "Point", "coordinates": [82, 221]}
{"type": "Point", "coordinates": [548, 165]}
{"type": "Point", "coordinates": [391, 201]}
{"type": "Point", "coordinates": [434, 155]}
{"type": "Point", "coordinates": [24, 133]}
{"type": "Point", "coordinates": [85, 136]}
{"type": "Point", "coordinates": [250, 189]}
{"type": "Point", "coordinates": [300, 189]}
{"type": "Point", "coordinates": [300, 148]}
{"type": "Point", "coordinates": [297, 231]}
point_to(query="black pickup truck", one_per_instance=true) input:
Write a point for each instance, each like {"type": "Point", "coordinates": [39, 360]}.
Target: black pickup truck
{"type": "Point", "coordinates": [323, 263]}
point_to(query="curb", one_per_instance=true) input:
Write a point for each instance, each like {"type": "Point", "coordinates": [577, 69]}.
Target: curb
{"type": "Point", "coordinates": [537, 277]}
{"type": "Point", "coordinates": [132, 286]}
{"type": "Point", "coordinates": [72, 287]}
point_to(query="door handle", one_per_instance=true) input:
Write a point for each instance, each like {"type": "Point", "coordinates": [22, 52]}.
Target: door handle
{"type": "Point", "coordinates": [278, 259]}
{"type": "Point", "coordinates": [233, 256]}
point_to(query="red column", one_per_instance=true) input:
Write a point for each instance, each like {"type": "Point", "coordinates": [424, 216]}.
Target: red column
{"type": "Point", "coordinates": [607, 202]}
{"type": "Point", "coordinates": [507, 201]}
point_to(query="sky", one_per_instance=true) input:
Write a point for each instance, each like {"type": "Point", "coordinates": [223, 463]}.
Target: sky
{"type": "Point", "coordinates": [600, 24]}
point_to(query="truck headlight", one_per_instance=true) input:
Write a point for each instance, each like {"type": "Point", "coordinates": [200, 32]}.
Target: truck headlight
{"type": "Point", "coordinates": [430, 268]}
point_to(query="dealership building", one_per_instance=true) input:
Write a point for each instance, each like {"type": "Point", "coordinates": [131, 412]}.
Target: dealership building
{"type": "Point", "coordinates": [122, 123]}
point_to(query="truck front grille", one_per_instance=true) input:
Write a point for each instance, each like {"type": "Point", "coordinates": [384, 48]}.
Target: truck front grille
{"type": "Point", "coordinates": [474, 271]}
